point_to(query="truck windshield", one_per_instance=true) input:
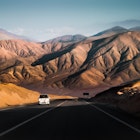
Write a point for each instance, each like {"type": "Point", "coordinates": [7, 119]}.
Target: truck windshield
{"type": "Point", "coordinates": [43, 96]}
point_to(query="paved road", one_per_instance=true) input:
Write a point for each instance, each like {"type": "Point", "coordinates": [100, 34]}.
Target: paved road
{"type": "Point", "coordinates": [67, 120]}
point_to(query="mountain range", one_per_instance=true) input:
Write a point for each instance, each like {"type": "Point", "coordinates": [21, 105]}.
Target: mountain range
{"type": "Point", "coordinates": [98, 62]}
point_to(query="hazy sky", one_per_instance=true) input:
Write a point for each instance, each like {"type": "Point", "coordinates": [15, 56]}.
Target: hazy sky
{"type": "Point", "coordinates": [46, 19]}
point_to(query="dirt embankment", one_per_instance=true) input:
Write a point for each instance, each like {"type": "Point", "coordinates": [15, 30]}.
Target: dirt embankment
{"type": "Point", "coordinates": [13, 95]}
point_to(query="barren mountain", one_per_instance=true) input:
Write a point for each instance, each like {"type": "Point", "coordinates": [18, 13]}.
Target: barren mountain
{"type": "Point", "coordinates": [87, 64]}
{"type": "Point", "coordinates": [112, 60]}
{"type": "Point", "coordinates": [15, 61]}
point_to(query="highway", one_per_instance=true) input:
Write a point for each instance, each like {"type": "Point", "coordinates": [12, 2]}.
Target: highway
{"type": "Point", "coordinates": [68, 120]}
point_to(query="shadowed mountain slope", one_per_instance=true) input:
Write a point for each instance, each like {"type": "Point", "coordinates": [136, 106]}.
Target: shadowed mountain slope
{"type": "Point", "coordinates": [116, 58]}
{"type": "Point", "coordinates": [125, 97]}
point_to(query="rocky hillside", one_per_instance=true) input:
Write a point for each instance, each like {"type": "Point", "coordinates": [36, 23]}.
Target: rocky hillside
{"type": "Point", "coordinates": [130, 101]}
{"type": "Point", "coordinates": [87, 64]}
{"type": "Point", "coordinates": [15, 62]}
{"type": "Point", "coordinates": [125, 97]}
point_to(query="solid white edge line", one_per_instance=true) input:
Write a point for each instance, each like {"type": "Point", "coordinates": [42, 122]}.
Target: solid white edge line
{"type": "Point", "coordinates": [117, 119]}
{"type": "Point", "coordinates": [30, 119]}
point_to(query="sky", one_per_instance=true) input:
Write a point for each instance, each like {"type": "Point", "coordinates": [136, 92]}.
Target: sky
{"type": "Point", "coordinates": [46, 19]}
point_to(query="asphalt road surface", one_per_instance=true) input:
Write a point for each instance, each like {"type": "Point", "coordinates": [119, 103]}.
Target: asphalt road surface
{"type": "Point", "coordinates": [68, 120]}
